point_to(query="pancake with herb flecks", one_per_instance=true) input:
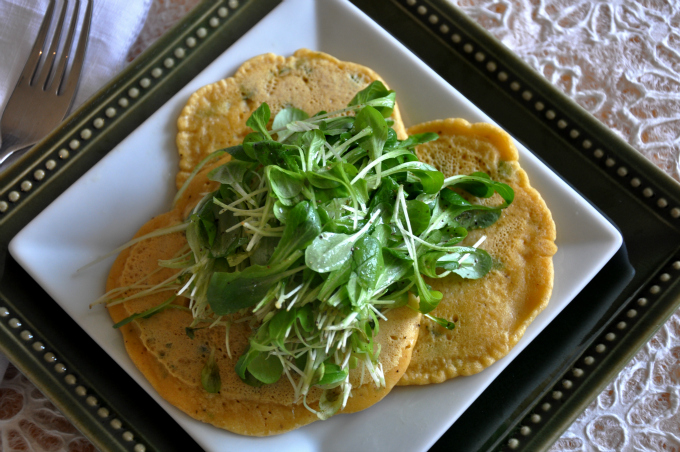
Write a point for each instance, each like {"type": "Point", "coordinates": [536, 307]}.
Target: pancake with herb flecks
{"type": "Point", "coordinates": [492, 313]}
{"type": "Point", "coordinates": [172, 359]}
{"type": "Point", "coordinates": [215, 115]}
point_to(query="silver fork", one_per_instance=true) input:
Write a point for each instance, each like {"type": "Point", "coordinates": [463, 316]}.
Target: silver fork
{"type": "Point", "coordinates": [44, 93]}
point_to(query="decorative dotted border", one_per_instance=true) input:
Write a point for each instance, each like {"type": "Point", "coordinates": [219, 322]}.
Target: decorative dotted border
{"type": "Point", "coordinates": [652, 195]}
{"type": "Point", "coordinates": [598, 350]}
{"type": "Point", "coordinates": [70, 378]}
{"type": "Point", "coordinates": [46, 167]}
{"type": "Point", "coordinates": [542, 108]}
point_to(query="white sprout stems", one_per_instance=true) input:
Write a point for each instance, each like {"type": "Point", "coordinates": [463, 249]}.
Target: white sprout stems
{"type": "Point", "coordinates": [345, 145]}
{"type": "Point", "coordinates": [248, 196]}
{"type": "Point", "coordinates": [163, 285]}
{"type": "Point", "coordinates": [375, 162]}
{"type": "Point", "coordinates": [352, 209]}
{"type": "Point", "coordinates": [156, 233]}
{"type": "Point", "coordinates": [195, 171]}
{"type": "Point", "coordinates": [186, 286]}
{"type": "Point", "coordinates": [268, 232]}
{"type": "Point", "coordinates": [333, 151]}
{"type": "Point", "coordinates": [479, 242]}
{"type": "Point", "coordinates": [318, 118]}
{"type": "Point", "coordinates": [236, 211]}
{"type": "Point", "coordinates": [430, 245]}
{"type": "Point", "coordinates": [137, 285]}
{"type": "Point", "coordinates": [263, 221]}
{"type": "Point", "coordinates": [378, 313]}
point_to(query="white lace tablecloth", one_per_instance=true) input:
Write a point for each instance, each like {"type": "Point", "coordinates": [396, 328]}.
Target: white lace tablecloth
{"type": "Point", "coordinates": [620, 60]}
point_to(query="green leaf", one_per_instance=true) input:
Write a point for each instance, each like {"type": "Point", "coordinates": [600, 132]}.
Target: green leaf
{"type": "Point", "coordinates": [259, 119]}
{"type": "Point", "coordinates": [288, 115]}
{"type": "Point", "coordinates": [279, 324]}
{"type": "Point", "coordinates": [230, 292]}
{"type": "Point", "coordinates": [226, 243]}
{"type": "Point", "coordinates": [368, 260]}
{"type": "Point", "coordinates": [427, 263]}
{"type": "Point", "coordinates": [324, 179]}
{"type": "Point", "coordinates": [396, 267]}
{"type": "Point", "coordinates": [264, 252]}
{"type": "Point", "coordinates": [418, 138]}
{"type": "Point", "coordinates": [207, 219]}
{"type": "Point", "coordinates": [374, 143]}
{"type": "Point", "coordinates": [302, 226]}
{"type": "Point", "coordinates": [210, 375]}
{"type": "Point", "coordinates": [429, 299]}
{"type": "Point", "coordinates": [449, 325]}
{"type": "Point", "coordinates": [306, 317]}
{"type": "Point", "coordinates": [191, 331]}
{"type": "Point", "coordinates": [333, 374]}
{"type": "Point", "coordinates": [335, 279]}
{"type": "Point", "coordinates": [376, 95]}
{"type": "Point", "coordinates": [274, 153]}
{"type": "Point", "coordinates": [313, 143]}
{"type": "Point", "coordinates": [232, 173]}
{"type": "Point", "coordinates": [418, 214]}
{"type": "Point", "coordinates": [329, 251]}
{"type": "Point", "coordinates": [285, 117]}
{"type": "Point", "coordinates": [386, 193]}
{"type": "Point", "coordinates": [477, 264]}
{"type": "Point", "coordinates": [392, 140]}
{"type": "Point", "coordinates": [238, 152]}
{"type": "Point", "coordinates": [146, 314]}
{"type": "Point", "coordinates": [480, 184]}
{"type": "Point", "coordinates": [451, 211]}
{"type": "Point", "coordinates": [285, 184]}
{"type": "Point", "coordinates": [478, 219]}
{"type": "Point", "coordinates": [281, 212]}
{"type": "Point", "coordinates": [330, 402]}
{"type": "Point", "coordinates": [431, 181]}
{"type": "Point", "coordinates": [266, 368]}
{"type": "Point", "coordinates": [244, 361]}
{"type": "Point", "coordinates": [330, 193]}
{"type": "Point", "coordinates": [428, 176]}
{"type": "Point", "coordinates": [336, 126]}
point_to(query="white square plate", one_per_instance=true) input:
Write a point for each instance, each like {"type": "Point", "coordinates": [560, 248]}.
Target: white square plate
{"type": "Point", "coordinates": [135, 182]}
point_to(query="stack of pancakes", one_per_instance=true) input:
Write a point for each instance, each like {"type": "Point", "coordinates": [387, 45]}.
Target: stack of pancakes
{"type": "Point", "coordinates": [491, 313]}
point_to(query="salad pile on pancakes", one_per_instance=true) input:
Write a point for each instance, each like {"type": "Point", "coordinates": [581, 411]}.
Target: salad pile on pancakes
{"type": "Point", "coordinates": [318, 254]}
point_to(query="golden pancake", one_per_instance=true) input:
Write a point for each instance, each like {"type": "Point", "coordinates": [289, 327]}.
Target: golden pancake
{"type": "Point", "coordinates": [215, 116]}
{"type": "Point", "coordinates": [172, 361]}
{"type": "Point", "coordinates": [491, 313]}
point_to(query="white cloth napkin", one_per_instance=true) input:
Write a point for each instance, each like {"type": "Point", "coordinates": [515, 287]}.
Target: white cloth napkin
{"type": "Point", "coordinates": [115, 27]}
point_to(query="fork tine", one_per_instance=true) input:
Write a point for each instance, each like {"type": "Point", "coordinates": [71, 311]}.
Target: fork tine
{"type": "Point", "coordinates": [69, 85]}
{"type": "Point", "coordinates": [31, 66]}
{"type": "Point", "coordinates": [44, 76]}
{"type": "Point", "coordinates": [66, 53]}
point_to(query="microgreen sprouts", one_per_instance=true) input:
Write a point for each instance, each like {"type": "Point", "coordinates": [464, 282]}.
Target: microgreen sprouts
{"type": "Point", "coordinates": [319, 226]}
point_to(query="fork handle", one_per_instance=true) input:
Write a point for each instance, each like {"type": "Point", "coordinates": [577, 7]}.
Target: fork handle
{"type": "Point", "coordinates": [10, 145]}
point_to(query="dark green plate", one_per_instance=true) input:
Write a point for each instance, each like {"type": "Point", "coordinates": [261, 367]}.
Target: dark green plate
{"type": "Point", "coordinates": [533, 400]}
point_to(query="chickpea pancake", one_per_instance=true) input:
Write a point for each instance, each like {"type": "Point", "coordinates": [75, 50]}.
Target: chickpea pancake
{"type": "Point", "coordinates": [492, 313]}
{"type": "Point", "coordinates": [215, 115]}
{"type": "Point", "coordinates": [172, 361]}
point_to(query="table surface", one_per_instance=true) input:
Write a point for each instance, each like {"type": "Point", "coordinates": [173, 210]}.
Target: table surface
{"type": "Point", "coordinates": [621, 62]}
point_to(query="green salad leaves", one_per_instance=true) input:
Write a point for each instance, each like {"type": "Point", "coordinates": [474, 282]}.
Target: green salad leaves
{"type": "Point", "coordinates": [317, 228]}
